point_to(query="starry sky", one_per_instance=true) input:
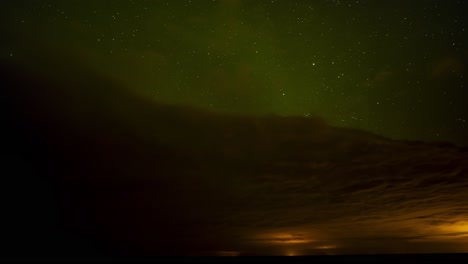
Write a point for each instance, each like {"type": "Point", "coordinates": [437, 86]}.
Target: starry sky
{"type": "Point", "coordinates": [395, 68]}
{"type": "Point", "coordinates": [233, 127]}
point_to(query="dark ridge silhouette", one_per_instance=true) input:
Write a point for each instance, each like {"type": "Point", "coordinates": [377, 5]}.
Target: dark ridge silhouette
{"type": "Point", "coordinates": [92, 169]}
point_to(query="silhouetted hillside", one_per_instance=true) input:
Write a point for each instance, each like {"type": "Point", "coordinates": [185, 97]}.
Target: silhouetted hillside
{"type": "Point", "coordinates": [92, 168]}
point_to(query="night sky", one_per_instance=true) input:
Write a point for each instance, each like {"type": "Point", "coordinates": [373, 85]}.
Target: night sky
{"type": "Point", "coordinates": [235, 127]}
{"type": "Point", "coordinates": [396, 68]}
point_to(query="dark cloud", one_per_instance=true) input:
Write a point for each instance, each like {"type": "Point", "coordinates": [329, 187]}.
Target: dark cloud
{"type": "Point", "coordinates": [136, 176]}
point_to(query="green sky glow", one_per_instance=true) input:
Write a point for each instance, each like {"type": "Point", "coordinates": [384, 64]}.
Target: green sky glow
{"type": "Point", "coordinates": [396, 68]}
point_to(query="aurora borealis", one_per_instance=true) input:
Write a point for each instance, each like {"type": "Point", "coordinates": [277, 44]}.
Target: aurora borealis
{"type": "Point", "coordinates": [234, 127]}
{"type": "Point", "coordinates": [396, 68]}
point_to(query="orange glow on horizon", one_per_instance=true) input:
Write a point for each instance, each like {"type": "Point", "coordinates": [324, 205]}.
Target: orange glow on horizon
{"type": "Point", "coordinates": [284, 238]}
{"type": "Point", "coordinates": [326, 247]}
{"type": "Point", "coordinates": [459, 227]}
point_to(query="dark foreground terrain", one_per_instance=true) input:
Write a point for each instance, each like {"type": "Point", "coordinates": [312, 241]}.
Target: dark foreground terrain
{"type": "Point", "coordinates": [407, 258]}
{"type": "Point", "coordinates": [92, 169]}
